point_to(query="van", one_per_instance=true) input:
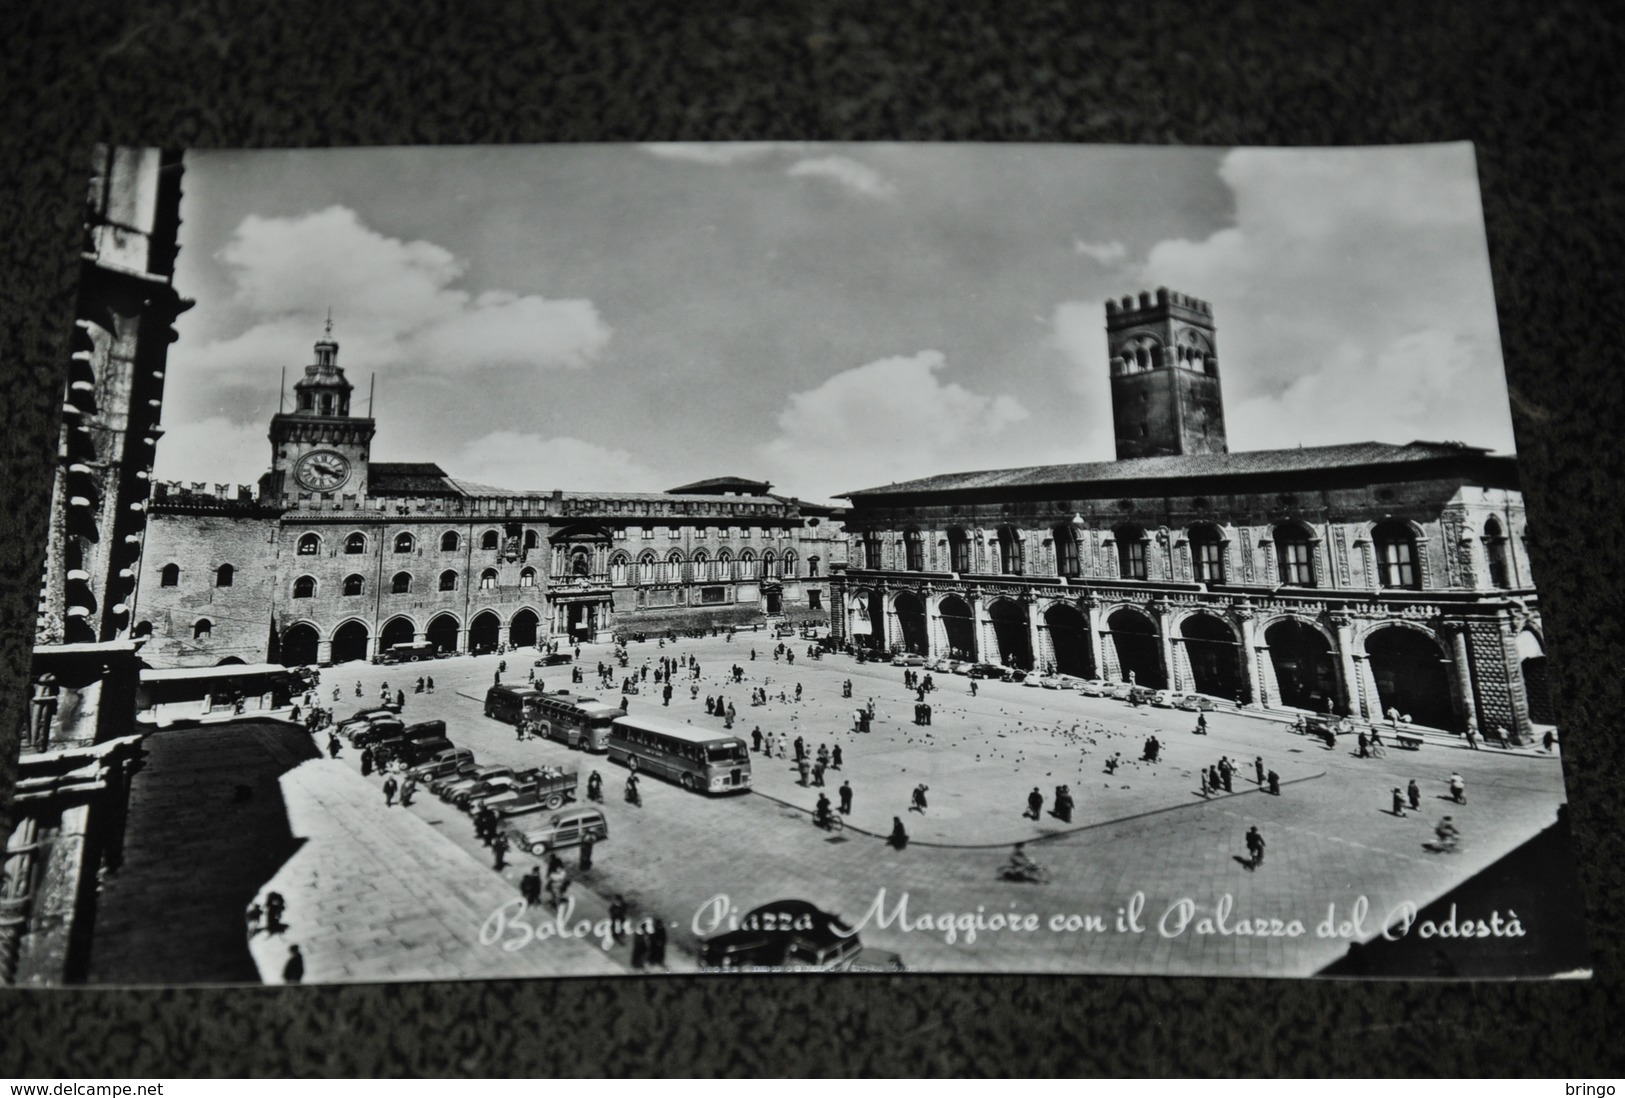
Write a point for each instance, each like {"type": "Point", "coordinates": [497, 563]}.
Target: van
{"type": "Point", "coordinates": [509, 703]}
{"type": "Point", "coordinates": [561, 829]}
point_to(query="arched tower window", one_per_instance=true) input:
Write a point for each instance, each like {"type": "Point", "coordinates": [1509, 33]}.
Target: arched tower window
{"type": "Point", "coordinates": [355, 544]}
{"type": "Point", "coordinates": [405, 543]}
{"type": "Point", "coordinates": [488, 579]}
{"type": "Point", "coordinates": [400, 583]}
{"type": "Point", "coordinates": [309, 545]}
{"type": "Point", "coordinates": [169, 575]}
{"type": "Point", "coordinates": [1396, 555]}
{"type": "Point", "coordinates": [449, 542]}
{"type": "Point", "coordinates": [527, 577]}
{"type": "Point", "coordinates": [959, 554]}
{"type": "Point", "coordinates": [448, 580]}
{"type": "Point", "coordinates": [202, 628]}
{"type": "Point", "coordinates": [224, 575]}
{"type": "Point", "coordinates": [489, 540]}
{"type": "Point", "coordinates": [354, 585]}
{"type": "Point", "coordinates": [531, 539]}
{"type": "Point", "coordinates": [304, 587]}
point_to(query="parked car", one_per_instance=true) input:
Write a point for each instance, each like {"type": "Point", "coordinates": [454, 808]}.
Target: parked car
{"type": "Point", "coordinates": [388, 745]}
{"type": "Point", "coordinates": [448, 762]}
{"type": "Point", "coordinates": [554, 790]}
{"type": "Point", "coordinates": [1195, 703]}
{"type": "Point", "coordinates": [410, 652]}
{"type": "Point", "coordinates": [542, 835]}
{"type": "Point", "coordinates": [1141, 695]}
{"type": "Point", "coordinates": [1066, 682]}
{"type": "Point", "coordinates": [499, 783]}
{"type": "Point", "coordinates": [985, 671]}
{"type": "Point", "coordinates": [1012, 674]}
{"type": "Point", "coordinates": [446, 788]}
{"type": "Point", "coordinates": [378, 731]}
{"type": "Point", "coordinates": [412, 752]}
{"type": "Point", "coordinates": [1162, 699]}
{"type": "Point", "coordinates": [785, 934]}
{"type": "Point", "coordinates": [555, 659]}
{"type": "Point", "coordinates": [1121, 691]}
{"type": "Point", "coordinates": [1094, 688]}
{"type": "Point", "coordinates": [908, 660]}
{"type": "Point", "coordinates": [363, 718]}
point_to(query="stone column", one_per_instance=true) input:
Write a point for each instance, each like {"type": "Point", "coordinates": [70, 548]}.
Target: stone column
{"type": "Point", "coordinates": [324, 650]}
{"type": "Point", "coordinates": [1036, 635]}
{"type": "Point", "coordinates": [1347, 680]}
{"type": "Point", "coordinates": [935, 642]}
{"type": "Point", "coordinates": [1466, 710]}
{"type": "Point", "coordinates": [1165, 651]}
{"type": "Point", "coordinates": [1246, 619]}
{"type": "Point", "coordinates": [16, 895]}
{"type": "Point", "coordinates": [976, 622]}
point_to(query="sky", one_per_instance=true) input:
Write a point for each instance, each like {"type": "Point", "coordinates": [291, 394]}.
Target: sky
{"type": "Point", "coordinates": [825, 317]}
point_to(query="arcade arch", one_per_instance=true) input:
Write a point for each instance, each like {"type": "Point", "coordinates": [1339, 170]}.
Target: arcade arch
{"type": "Point", "coordinates": [1138, 648]}
{"type": "Point", "coordinates": [1069, 639]}
{"type": "Point", "coordinates": [911, 630]}
{"type": "Point", "coordinates": [1305, 669]}
{"type": "Point", "coordinates": [442, 633]}
{"type": "Point", "coordinates": [350, 642]}
{"type": "Point", "coordinates": [397, 631]}
{"type": "Point", "coordinates": [1536, 687]}
{"type": "Point", "coordinates": [484, 633]}
{"type": "Point", "coordinates": [1412, 673]}
{"type": "Point", "coordinates": [959, 626]}
{"type": "Point", "coordinates": [300, 644]}
{"type": "Point", "coordinates": [1214, 653]}
{"type": "Point", "coordinates": [522, 629]}
{"type": "Point", "coordinates": [1010, 630]}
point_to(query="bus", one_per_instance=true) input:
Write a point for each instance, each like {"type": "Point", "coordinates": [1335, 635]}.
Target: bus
{"type": "Point", "coordinates": [576, 721]}
{"type": "Point", "coordinates": [699, 760]}
{"type": "Point", "coordinates": [510, 703]}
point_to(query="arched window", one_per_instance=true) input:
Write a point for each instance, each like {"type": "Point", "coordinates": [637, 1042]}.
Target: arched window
{"type": "Point", "coordinates": [789, 566]}
{"type": "Point", "coordinates": [580, 562]}
{"type": "Point", "coordinates": [448, 580]}
{"type": "Point", "coordinates": [304, 587]}
{"type": "Point", "coordinates": [812, 567]}
{"type": "Point", "coordinates": [725, 565]}
{"type": "Point", "coordinates": [355, 544]}
{"type": "Point", "coordinates": [1130, 552]}
{"type": "Point", "coordinates": [202, 628]}
{"type": "Point", "coordinates": [527, 577]}
{"type": "Point", "coordinates": [489, 540]}
{"type": "Point", "coordinates": [1011, 561]}
{"type": "Point", "coordinates": [1396, 555]}
{"type": "Point", "coordinates": [531, 540]}
{"type": "Point", "coordinates": [488, 579]}
{"type": "Point", "coordinates": [354, 585]}
{"type": "Point", "coordinates": [1296, 555]}
{"type": "Point", "coordinates": [617, 569]}
{"type": "Point", "coordinates": [449, 541]}
{"type": "Point", "coordinates": [224, 575]}
{"type": "Point", "coordinates": [405, 543]}
{"type": "Point", "coordinates": [959, 554]}
{"type": "Point", "coordinates": [674, 567]}
{"type": "Point", "coordinates": [702, 566]}
{"type": "Point", "coordinates": [1207, 553]}
{"type": "Point", "coordinates": [309, 545]}
{"type": "Point", "coordinates": [747, 564]}
{"type": "Point", "coordinates": [169, 575]}
{"type": "Point", "coordinates": [913, 551]}
{"type": "Point", "coordinates": [1495, 553]}
{"type": "Point", "coordinates": [1066, 550]}
{"type": "Point", "coordinates": [400, 583]}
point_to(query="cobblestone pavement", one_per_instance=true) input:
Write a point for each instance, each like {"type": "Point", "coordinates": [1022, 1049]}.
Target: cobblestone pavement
{"type": "Point", "coordinates": [1146, 829]}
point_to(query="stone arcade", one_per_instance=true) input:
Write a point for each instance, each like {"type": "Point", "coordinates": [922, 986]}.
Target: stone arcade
{"type": "Point", "coordinates": [1355, 579]}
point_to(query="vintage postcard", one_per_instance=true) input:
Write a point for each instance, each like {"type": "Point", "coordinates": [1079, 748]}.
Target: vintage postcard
{"type": "Point", "coordinates": [605, 560]}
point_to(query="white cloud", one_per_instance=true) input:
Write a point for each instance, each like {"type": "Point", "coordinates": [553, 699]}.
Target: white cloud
{"type": "Point", "coordinates": [1352, 296]}
{"type": "Point", "coordinates": [1078, 330]}
{"type": "Point", "coordinates": [892, 419]}
{"type": "Point", "coordinates": [512, 459]}
{"type": "Point", "coordinates": [1101, 253]}
{"type": "Point", "coordinates": [395, 304]}
{"type": "Point", "coordinates": [854, 176]}
{"type": "Point", "coordinates": [213, 448]}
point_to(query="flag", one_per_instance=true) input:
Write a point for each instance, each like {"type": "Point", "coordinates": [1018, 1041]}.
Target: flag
{"type": "Point", "coordinates": [860, 618]}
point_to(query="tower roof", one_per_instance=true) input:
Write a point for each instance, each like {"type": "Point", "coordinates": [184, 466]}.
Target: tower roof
{"type": "Point", "coordinates": [325, 372]}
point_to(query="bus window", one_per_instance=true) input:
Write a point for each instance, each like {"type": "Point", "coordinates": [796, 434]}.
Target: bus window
{"type": "Point", "coordinates": [728, 752]}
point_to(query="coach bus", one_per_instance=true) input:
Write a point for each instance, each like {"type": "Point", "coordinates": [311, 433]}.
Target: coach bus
{"type": "Point", "coordinates": [576, 721]}
{"type": "Point", "coordinates": [511, 704]}
{"type": "Point", "coordinates": [699, 760]}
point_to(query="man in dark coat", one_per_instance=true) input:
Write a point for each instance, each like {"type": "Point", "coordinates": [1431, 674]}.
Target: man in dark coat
{"type": "Point", "coordinates": [390, 787]}
{"type": "Point", "coordinates": [294, 971]}
{"type": "Point", "coordinates": [1035, 804]}
{"type": "Point", "coordinates": [846, 797]}
{"type": "Point", "coordinates": [586, 853]}
{"type": "Point", "coordinates": [366, 761]}
{"type": "Point", "coordinates": [657, 942]}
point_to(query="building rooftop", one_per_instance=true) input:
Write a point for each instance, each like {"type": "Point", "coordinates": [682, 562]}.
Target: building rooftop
{"type": "Point", "coordinates": [409, 478]}
{"type": "Point", "coordinates": [1185, 467]}
{"type": "Point", "coordinates": [722, 486]}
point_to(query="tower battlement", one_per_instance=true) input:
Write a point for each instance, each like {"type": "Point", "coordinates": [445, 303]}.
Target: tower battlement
{"type": "Point", "coordinates": [1164, 375]}
{"type": "Point", "coordinates": [1130, 309]}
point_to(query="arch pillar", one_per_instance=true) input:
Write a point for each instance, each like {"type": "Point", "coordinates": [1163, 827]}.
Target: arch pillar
{"type": "Point", "coordinates": [1347, 679]}
{"type": "Point", "coordinates": [1183, 679]}
{"type": "Point", "coordinates": [935, 631]}
{"type": "Point", "coordinates": [1037, 638]}
{"type": "Point", "coordinates": [1370, 705]}
{"type": "Point", "coordinates": [1462, 677]}
{"type": "Point", "coordinates": [1250, 653]}
{"type": "Point", "coordinates": [324, 650]}
{"type": "Point", "coordinates": [1165, 649]}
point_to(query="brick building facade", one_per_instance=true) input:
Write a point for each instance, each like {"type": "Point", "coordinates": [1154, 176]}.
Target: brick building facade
{"type": "Point", "coordinates": [1355, 579]}
{"type": "Point", "coordinates": [334, 557]}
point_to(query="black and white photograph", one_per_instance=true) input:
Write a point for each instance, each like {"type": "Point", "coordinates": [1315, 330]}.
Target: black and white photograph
{"type": "Point", "coordinates": [588, 560]}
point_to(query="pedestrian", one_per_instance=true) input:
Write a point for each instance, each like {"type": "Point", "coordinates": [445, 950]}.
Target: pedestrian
{"type": "Point", "coordinates": [1472, 740]}
{"type": "Point", "coordinates": [846, 798]}
{"type": "Point", "coordinates": [595, 786]}
{"type": "Point", "coordinates": [710, 706]}
{"type": "Point", "coordinates": [1227, 774]}
{"type": "Point", "coordinates": [657, 942]}
{"type": "Point", "coordinates": [408, 788]}
{"type": "Point", "coordinates": [617, 918]}
{"type": "Point", "coordinates": [899, 837]}
{"type": "Point", "coordinates": [366, 761]}
{"type": "Point", "coordinates": [1399, 802]}
{"type": "Point", "coordinates": [1275, 784]}
{"type": "Point", "coordinates": [729, 721]}
{"type": "Point", "coordinates": [973, 688]}
{"type": "Point", "coordinates": [496, 678]}
{"type": "Point", "coordinates": [1063, 804]}
{"type": "Point", "coordinates": [499, 849]}
{"type": "Point", "coordinates": [400, 699]}
{"type": "Point", "coordinates": [835, 757]}
{"type": "Point", "coordinates": [1203, 775]}
{"type": "Point", "coordinates": [418, 688]}
{"type": "Point", "coordinates": [429, 683]}
{"type": "Point", "coordinates": [274, 906]}
{"type": "Point", "coordinates": [640, 944]}
{"type": "Point", "coordinates": [1414, 792]}
{"type": "Point", "coordinates": [919, 798]}
{"type": "Point", "coordinates": [818, 772]}
{"type": "Point", "coordinates": [585, 863]}
{"type": "Point", "coordinates": [805, 768]}
{"type": "Point", "coordinates": [294, 971]}
{"type": "Point", "coordinates": [558, 883]}
{"type": "Point", "coordinates": [358, 688]}
{"type": "Point", "coordinates": [928, 714]}
{"type": "Point", "coordinates": [390, 786]}
{"type": "Point", "coordinates": [756, 739]}
{"type": "Point", "coordinates": [798, 691]}
{"type": "Point", "coordinates": [1365, 746]}
{"type": "Point", "coordinates": [821, 813]}
{"type": "Point", "coordinates": [335, 694]}
{"type": "Point", "coordinates": [1201, 724]}
{"type": "Point", "coordinates": [1548, 740]}
{"type": "Point", "coordinates": [801, 749]}
{"type": "Point", "coordinates": [1255, 847]}
{"type": "Point", "coordinates": [632, 794]}
{"type": "Point", "coordinates": [665, 695]}
{"type": "Point", "coordinates": [333, 745]}
{"type": "Point", "coordinates": [1035, 803]}
{"type": "Point", "coordinates": [1258, 768]}
{"type": "Point", "coordinates": [784, 745]}
{"type": "Point", "coordinates": [1213, 780]}
{"type": "Point", "coordinates": [530, 886]}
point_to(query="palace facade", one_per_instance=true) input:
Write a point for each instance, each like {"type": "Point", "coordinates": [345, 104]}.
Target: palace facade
{"type": "Point", "coordinates": [336, 557]}
{"type": "Point", "coordinates": [1356, 579]}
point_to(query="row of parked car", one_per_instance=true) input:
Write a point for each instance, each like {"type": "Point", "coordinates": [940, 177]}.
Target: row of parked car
{"type": "Point", "coordinates": [518, 796]}
{"type": "Point", "coordinates": [1093, 688]}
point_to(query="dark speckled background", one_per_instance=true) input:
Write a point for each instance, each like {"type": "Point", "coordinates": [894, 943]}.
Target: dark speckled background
{"type": "Point", "coordinates": [1538, 87]}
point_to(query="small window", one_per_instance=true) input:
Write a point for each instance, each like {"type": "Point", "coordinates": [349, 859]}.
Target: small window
{"type": "Point", "coordinates": [401, 583]}
{"type": "Point", "coordinates": [1495, 553]}
{"type": "Point", "coordinates": [224, 575]}
{"type": "Point", "coordinates": [355, 544]}
{"type": "Point", "coordinates": [354, 585]}
{"type": "Point", "coordinates": [169, 576]}
{"type": "Point", "coordinates": [1066, 551]}
{"type": "Point", "coordinates": [304, 587]}
{"type": "Point", "coordinates": [1010, 551]}
{"type": "Point", "coordinates": [1396, 555]}
{"type": "Point", "coordinates": [527, 577]}
{"type": "Point", "coordinates": [913, 551]}
{"type": "Point", "coordinates": [532, 541]}
{"type": "Point", "coordinates": [448, 580]}
{"type": "Point", "coordinates": [202, 629]}
{"type": "Point", "coordinates": [959, 549]}
{"type": "Point", "coordinates": [1130, 552]}
{"type": "Point", "coordinates": [489, 540]}
{"type": "Point", "coordinates": [1207, 553]}
{"type": "Point", "coordinates": [488, 579]}
{"type": "Point", "coordinates": [405, 543]}
{"type": "Point", "coordinates": [648, 532]}
{"type": "Point", "coordinates": [815, 600]}
{"type": "Point", "coordinates": [449, 542]}
{"type": "Point", "coordinates": [812, 567]}
{"type": "Point", "coordinates": [309, 545]}
{"type": "Point", "coordinates": [1296, 553]}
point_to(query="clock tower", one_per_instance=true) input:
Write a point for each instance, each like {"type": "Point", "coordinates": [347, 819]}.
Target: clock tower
{"type": "Point", "coordinates": [319, 450]}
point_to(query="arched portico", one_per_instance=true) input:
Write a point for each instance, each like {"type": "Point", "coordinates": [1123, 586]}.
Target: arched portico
{"type": "Point", "coordinates": [909, 609]}
{"type": "Point", "coordinates": [350, 642]}
{"type": "Point", "coordinates": [1537, 689]}
{"type": "Point", "coordinates": [1137, 647]}
{"type": "Point", "coordinates": [300, 645]}
{"type": "Point", "coordinates": [1011, 632]}
{"type": "Point", "coordinates": [522, 628]}
{"type": "Point", "coordinates": [1412, 674]}
{"type": "Point", "coordinates": [442, 633]}
{"type": "Point", "coordinates": [958, 628]}
{"type": "Point", "coordinates": [401, 630]}
{"type": "Point", "coordinates": [484, 632]}
{"type": "Point", "coordinates": [1069, 640]}
{"type": "Point", "coordinates": [1304, 666]}
{"type": "Point", "coordinates": [1213, 654]}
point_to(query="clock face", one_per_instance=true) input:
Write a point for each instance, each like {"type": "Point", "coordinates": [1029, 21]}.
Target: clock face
{"type": "Point", "coordinates": [322, 471]}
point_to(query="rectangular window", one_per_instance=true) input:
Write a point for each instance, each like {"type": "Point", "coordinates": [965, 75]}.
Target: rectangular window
{"type": "Point", "coordinates": [676, 532]}
{"type": "Point", "coordinates": [815, 600]}
{"type": "Point", "coordinates": [1297, 564]}
{"type": "Point", "coordinates": [1398, 569]}
{"type": "Point", "coordinates": [1131, 556]}
{"type": "Point", "coordinates": [1209, 561]}
{"type": "Point", "coordinates": [648, 532]}
{"type": "Point", "coordinates": [712, 595]}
